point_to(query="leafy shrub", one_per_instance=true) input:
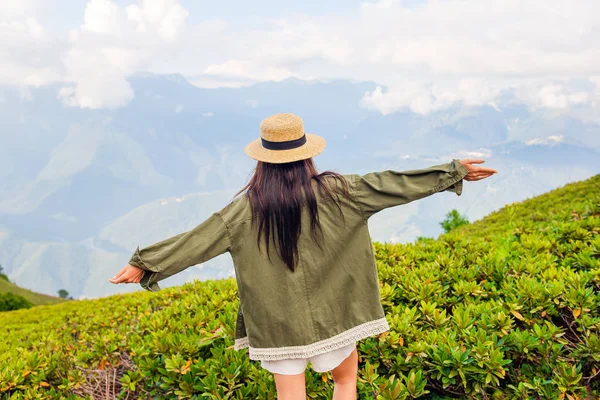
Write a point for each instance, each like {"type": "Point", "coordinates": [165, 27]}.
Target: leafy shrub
{"type": "Point", "coordinates": [507, 307]}
{"type": "Point", "coordinates": [9, 302]}
{"type": "Point", "coordinates": [453, 220]}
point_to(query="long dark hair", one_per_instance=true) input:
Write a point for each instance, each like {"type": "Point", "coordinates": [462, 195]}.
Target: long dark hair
{"type": "Point", "coordinates": [277, 193]}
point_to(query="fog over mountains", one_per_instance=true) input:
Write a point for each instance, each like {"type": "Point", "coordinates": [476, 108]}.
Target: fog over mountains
{"type": "Point", "coordinates": [80, 188]}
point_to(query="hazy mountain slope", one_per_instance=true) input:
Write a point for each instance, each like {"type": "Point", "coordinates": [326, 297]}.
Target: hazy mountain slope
{"type": "Point", "coordinates": [70, 177]}
{"type": "Point", "coordinates": [33, 297]}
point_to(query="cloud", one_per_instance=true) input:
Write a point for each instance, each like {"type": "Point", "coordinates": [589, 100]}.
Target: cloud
{"type": "Point", "coordinates": [425, 97]}
{"type": "Point", "coordinates": [554, 96]}
{"type": "Point", "coordinates": [165, 17]}
{"type": "Point", "coordinates": [16, 8]}
{"type": "Point", "coordinates": [548, 141]}
{"type": "Point", "coordinates": [246, 70]}
{"type": "Point", "coordinates": [473, 52]}
{"type": "Point", "coordinates": [95, 58]}
{"type": "Point", "coordinates": [28, 56]}
{"type": "Point", "coordinates": [111, 44]}
{"type": "Point", "coordinates": [480, 37]}
{"type": "Point", "coordinates": [429, 55]}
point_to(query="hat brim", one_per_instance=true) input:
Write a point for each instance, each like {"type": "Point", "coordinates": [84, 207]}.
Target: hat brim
{"type": "Point", "coordinates": [313, 146]}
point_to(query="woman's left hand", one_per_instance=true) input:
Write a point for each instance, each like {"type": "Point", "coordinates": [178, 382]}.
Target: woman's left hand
{"type": "Point", "coordinates": [476, 173]}
{"type": "Point", "coordinates": [129, 274]}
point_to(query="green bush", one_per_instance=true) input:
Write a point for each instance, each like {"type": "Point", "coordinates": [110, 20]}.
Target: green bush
{"type": "Point", "coordinates": [453, 220]}
{"type": "Point", "coordinates": [507, 307]}
{"type": "Point", "coordinates": [10, 302]}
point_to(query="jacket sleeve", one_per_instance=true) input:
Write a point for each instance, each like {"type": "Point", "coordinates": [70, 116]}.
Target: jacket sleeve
{"type": "Point", "coordinates": [170, 256]}
{"type": "Point", "coordinates": [376, 191]}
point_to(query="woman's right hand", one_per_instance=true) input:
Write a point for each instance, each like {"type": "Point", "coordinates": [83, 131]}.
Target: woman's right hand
{"type": "Point", "coordinates": [476, 173]}
{"type": "Point", "coordinates": [129, 274]}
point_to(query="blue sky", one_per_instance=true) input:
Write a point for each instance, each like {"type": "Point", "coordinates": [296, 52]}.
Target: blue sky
{"type": "Point", "coordinates": [426, 55]}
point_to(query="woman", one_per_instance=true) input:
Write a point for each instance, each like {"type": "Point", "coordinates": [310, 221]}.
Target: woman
{"type": "Point", "coordinates": [302, 253]}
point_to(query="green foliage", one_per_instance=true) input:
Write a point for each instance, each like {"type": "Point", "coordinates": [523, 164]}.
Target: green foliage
{"type": "Point", "coordinates": [10, 302]}
{"type": "Point", "coordinates": [63, 294]}
{"type": "Point", "coordinates": [453, 220]}
{"type": "Point", "coordinates": [507, 307]}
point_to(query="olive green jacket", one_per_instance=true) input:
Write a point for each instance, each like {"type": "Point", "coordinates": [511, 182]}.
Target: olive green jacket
{"type": "Point", "coordinates": [332, 299]}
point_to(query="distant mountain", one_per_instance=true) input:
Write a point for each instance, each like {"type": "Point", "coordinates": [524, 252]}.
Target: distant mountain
{"type": "Point", "coordinates": [80, 189]}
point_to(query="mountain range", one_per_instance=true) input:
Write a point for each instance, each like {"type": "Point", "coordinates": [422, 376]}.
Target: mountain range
{"type": "Point", "coordinates": [81, 188]}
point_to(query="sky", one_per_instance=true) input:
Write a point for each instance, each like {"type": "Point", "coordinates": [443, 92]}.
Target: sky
{"type": "Point", "coordinates": [425, 55]}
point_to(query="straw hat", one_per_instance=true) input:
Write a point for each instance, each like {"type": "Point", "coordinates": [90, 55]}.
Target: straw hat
{"type": "Point", "coordinates": [282, 139]}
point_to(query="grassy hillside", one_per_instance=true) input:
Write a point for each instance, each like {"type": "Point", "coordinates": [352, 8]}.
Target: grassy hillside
{"type": "Point", "coordinates": [33, 297]}
{"type": "Point", "coordinates": [506, 307]}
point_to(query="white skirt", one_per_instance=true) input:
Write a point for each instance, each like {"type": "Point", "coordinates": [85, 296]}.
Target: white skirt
{"type": "Point", "coordinates": [319, 363]}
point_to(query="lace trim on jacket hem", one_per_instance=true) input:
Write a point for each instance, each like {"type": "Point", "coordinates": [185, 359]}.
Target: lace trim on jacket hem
{"type": "Point", "coordinates": [345, 338]}
{"type": "Point", "coordinates": [241, 343]}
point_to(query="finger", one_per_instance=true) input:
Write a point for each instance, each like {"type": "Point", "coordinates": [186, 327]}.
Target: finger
{"type": "Point", "coordinates": [480, 177]}
{"type": "Point", "coordinates": [121, 272]}
{"type": "Point", "coordinates": [116, 278]}
{"type": "Point", "coordinates": [484, 169]}
{"type": "Point", "coordinates": [473, 160]}
{"type": "Point", "coordinates": [477, 176]}
{"type": "Point", "coordinates": [125, 277]}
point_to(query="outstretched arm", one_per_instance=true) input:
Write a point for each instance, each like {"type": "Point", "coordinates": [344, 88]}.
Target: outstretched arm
{"type": "Point", "coordinates": [170, 256]}
{"type": "Point", "coordinates": [376, 191]}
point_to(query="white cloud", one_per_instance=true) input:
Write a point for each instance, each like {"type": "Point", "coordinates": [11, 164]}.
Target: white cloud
{"type": "Point", "coordinates": [166, 17]}
{"type": "Point", "coordinates": [247, 70]}
{"type": "Point", "coordinates": [482, 153]}
{"type": "Point", "coordinates": [424, 97]}
{"type": "Point", "coordinates": [114, 42]}
{"type": "Point", "coordinates": [99, 75]}
{"type": "Point", "coordinates": [552, 95]}
{"type": "Point", "coordinates": [27, 55]}
{"type": "Point", "coordinates": [513, 46]}
{"type": "Point", "coordinates": [16, 8]}
{"type": "Point", "coordinates": [97, 57]}
{"type": "Point", "coordinates": [549, 141]}
{"type": "Point", "coordinates": [430, 56]}
{"type": "Point", "coordinates": [104, 16]}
